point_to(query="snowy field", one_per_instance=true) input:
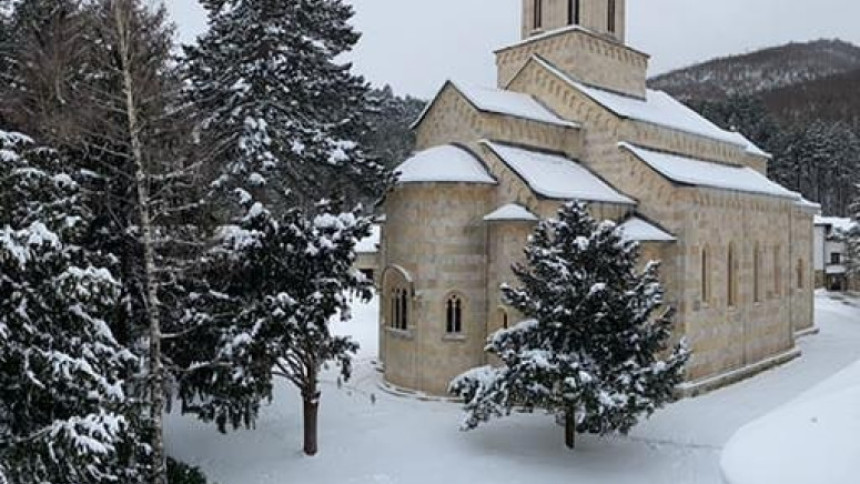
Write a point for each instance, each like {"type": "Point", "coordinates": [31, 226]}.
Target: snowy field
{"type": "Point", "coordinates": [368, 436]}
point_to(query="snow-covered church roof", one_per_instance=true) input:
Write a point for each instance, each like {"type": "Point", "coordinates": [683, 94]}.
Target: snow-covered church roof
{"type": "Point", "coordinates": [691, 171]}
{"type": "Point", "coordinates": [498, 101]}
{"type": "Point", "coordinates": [656, 108]}
{"type": "Point", "coordinates": [444, 164]}
{"type": "Point", "coordinates": [553, 176]}
{"type": "Point", "coordinates": [641, 230]}
{"type": "Point", "coordinates": [512, 212]}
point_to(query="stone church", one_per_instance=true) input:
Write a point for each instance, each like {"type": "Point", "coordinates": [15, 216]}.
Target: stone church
{"type": "Point", "coordinates": [572, 119]}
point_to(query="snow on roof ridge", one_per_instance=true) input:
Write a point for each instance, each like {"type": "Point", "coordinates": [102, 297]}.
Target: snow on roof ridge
{"type": "Point", "coordinates": [444, 164]}
{"type": "Point", "coordinates": [639, 229]}
{"type": "Point", "coordinates": [694, 171]}
{"type": "Point", "coordinates": [553, 175]}
{"type": "Point", "coordinates": [511, 212]}
{"type": "Point", "coordinates": [675, 115]}
{"type": "Point", "coordinates": [500, 101]}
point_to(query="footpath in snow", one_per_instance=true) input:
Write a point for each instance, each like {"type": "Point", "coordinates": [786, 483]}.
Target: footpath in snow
{"type": "Point", "coordinates": [368, 436]}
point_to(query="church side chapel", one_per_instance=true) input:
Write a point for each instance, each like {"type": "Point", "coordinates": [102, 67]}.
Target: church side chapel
{"type": "Point", "coordinates": [572, 119]}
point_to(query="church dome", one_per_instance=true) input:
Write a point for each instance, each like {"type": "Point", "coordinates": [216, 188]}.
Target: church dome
{"type": "Point", "coordinates": [444, 164]}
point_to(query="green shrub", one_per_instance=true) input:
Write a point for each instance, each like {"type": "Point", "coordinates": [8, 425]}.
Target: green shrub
{"type": "Point", "coordinates": [182, 473]}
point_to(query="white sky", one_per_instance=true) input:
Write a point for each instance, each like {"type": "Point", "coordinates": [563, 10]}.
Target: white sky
{"type": "Point", "coordinates": [415, 45]}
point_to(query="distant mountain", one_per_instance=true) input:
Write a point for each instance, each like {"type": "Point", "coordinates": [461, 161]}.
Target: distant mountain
{"type": "Point", "coordinates": [830, 99]}
{"type": "Point", "coordinates": [777, 68]}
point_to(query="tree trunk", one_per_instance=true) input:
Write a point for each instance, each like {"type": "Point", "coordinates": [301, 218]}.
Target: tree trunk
{"type": "Point", "coordinates": [122, 14]}
{"type": "Point", "coordinates": [311, 412]}
{"type": "Point", "coordinates": [570, 429]}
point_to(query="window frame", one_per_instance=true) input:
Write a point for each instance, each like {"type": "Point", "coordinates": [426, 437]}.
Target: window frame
{"type": "Point", "coordinates": [455, 307]}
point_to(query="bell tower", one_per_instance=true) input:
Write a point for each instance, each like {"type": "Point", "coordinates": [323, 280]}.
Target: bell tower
{"type": "Point", "coordinates": [605, 17]}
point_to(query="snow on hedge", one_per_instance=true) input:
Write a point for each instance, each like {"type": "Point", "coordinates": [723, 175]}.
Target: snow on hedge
{"type": "Point", "coordinates": [555, 176]}
{"type": "Point", "coordinates": [814, 439]}
{"type": "Point", "coordinates": [448, 163]}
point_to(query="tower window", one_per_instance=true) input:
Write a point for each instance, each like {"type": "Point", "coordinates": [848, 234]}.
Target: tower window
{"type": "Point", "coordinates": [573, 12]}
{"type": "Point", "coordinates": [611, 19]}
{"type": "Point", "coordinates": [538, 13]}
{"type": "Point", "coordinates": [454, 315]}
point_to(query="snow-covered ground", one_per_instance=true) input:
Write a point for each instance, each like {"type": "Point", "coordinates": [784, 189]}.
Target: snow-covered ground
{"type": "Point", "coordinates": [368, 436]}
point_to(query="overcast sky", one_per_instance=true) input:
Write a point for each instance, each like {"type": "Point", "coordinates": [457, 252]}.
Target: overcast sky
{"type": "Point", "coordinates": [415, 45]}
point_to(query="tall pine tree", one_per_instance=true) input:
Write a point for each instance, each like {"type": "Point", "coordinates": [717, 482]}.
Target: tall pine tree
{"type": "Point", "coordinates": [595, 351]}
{"type": "Point", "coordinates": [284, 115]}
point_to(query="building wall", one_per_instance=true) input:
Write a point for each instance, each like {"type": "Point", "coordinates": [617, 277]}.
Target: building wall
{"type": "Point", "coordinates": [583, 55]}
{"type": "Point", "coordinates": [437, 235]}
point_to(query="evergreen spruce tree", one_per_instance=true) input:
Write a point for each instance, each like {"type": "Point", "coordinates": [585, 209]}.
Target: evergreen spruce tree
{"type": "Point", "coordinates": [596, 350]}
{"type": "Point", "coordinates": [65, 412]}
{"type": "Point", "coordinates": [283, 114]}
{"type": "Point", "coordinates": [287, 278]}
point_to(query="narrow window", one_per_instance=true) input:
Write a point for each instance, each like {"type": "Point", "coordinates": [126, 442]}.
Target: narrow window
{"type": "Point", "coordinates": [835, 258]}
{"type": "Point", "coordinates": [777, 273]}
{"type": "Point", "coordinates": [404, 315]}
{"type": "Point", "coordinates": [395, 309]}
{"type": "Point", "coordinates": [538, 13]}
{"type": "Point", "coordinates": [505, 320]}
{"type": "Point", "coordinates": [800, 274]}
{"type": "Point", "coordinates": [454, 316]}
{"type": "Point", "coordinates": [573, 13]}
{"type": "Point", "coordinates": [611, 19]}
{"type": "Point", "coordinates": [757, 274]}
{"type": "Point", "coordinates": [706, 277]}
{"type": "Point", "coordinates": [731, 295]}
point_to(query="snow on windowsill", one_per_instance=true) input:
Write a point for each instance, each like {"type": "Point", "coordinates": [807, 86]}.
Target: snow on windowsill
{"type": "Point", "coordinates": [400, 333]}
{"type": "Point", "coordinates": [454, 338]}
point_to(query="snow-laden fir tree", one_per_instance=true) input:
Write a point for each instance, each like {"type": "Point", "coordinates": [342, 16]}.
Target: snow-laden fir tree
{"type": "Point", "coordinates": [595, 350]}
{"type": "Point", "coordinates": [283, 114]}
{"type": "Point", "coordinates": [65, 414]}
{"type": "Point", "coordinates": [283, 281]}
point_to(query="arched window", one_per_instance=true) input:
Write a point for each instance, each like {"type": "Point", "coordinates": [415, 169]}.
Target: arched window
{"type": "Point", "coordinates": [731, 276]}
{"type": "Point", "coordinates": [801, 273]}
{"type": "Point", "coordinates": [454, 315]}
{"type": "Point", "coordinates": [538, 13]}
{"type": "Point", "coordinates": [706, 277]}
{"type": "Point", "coordinates": [399, 307]}
{"type": "Point", "coordinates": [757, 273]}
{"type": "Point", "coordinates": [573, 13]}
{"type": "Point", "coordinates": [397, 286]}
{"type": "Point", "coordinates": [610, 25]}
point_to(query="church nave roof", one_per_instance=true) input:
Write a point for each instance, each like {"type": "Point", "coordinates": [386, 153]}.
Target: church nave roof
{"type": "Point", "coordinates": [498, 101]}
{"type": "Point", "coordinates": [656, 108]}
{"type": "Point", "coordinates": [554, 176]}
{"type": "Point", "coordinates": [692, 171]}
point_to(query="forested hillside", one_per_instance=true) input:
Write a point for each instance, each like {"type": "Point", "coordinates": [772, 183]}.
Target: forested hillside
{"type": "Point", "coordinates": [800, 102]}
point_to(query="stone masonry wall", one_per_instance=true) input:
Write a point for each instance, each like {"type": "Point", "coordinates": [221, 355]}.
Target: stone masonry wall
{"type": "Point", "coordinates": [440, 239]}
{"type": "Point", "coordinates": [587, 57]}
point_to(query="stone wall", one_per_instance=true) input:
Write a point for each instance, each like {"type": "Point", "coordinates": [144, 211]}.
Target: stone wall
{"type": "Point", "coordinates": [585, 56]}
{"type": "Point", "coordinates": [440, 239]}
